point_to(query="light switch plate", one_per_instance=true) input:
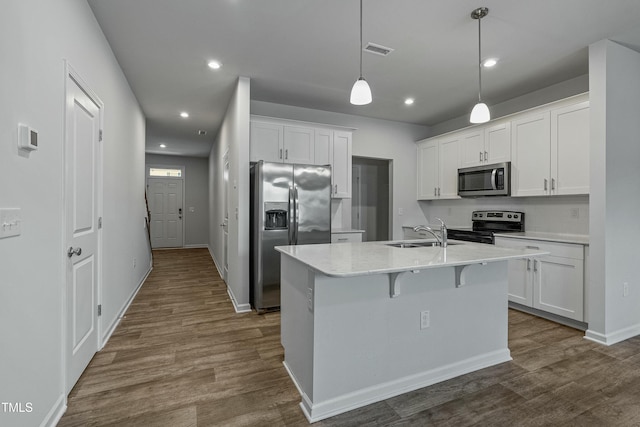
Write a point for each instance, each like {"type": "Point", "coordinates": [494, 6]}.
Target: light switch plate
{"type": "Point", "coordinates": [10, 222]}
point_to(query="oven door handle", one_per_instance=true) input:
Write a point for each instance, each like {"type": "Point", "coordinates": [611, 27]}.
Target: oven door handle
{"type": "Point", "coordinates": [494, 174]}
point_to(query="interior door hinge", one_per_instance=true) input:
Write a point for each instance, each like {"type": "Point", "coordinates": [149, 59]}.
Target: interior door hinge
{"type": "Point", "coordinates": [99, 309]}
{"type": "Point", "coordinates": [100, 222]}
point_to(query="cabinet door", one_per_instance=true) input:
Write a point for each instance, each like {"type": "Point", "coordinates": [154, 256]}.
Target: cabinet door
{"type": "Point", "coordinates": [497, 143]}
{"type": "Point", "coordinates": [428, 170]}
{"type": "Point", "coordinates": [341, 165]}
{"type": "Point", "coordinates": [298, 145]}
{"type": "Point", "coordinates": [448, 169]}
{"type": "Point", "coordinates": [570, 149]}
{"type": "Point", "coordinates": [472, 151]}
{"type": "Point", "coordinates": [520, 281]}
{"type": "Point", "coordinates": [531, 155]}
{"type": "Point", "coordinates": [559, 286]}
{"type": "Point", "coordinates": [266, 142]}
{"type": "Point", "coordinates": [323, 147]}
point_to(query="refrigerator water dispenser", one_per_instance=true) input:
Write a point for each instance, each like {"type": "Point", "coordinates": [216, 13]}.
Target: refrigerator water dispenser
{"type": "Point", "coordinates": [275, 215]}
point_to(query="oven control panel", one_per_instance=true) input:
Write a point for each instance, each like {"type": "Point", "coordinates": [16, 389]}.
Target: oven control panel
{"type": "Point", "coordinates": [497, 216]}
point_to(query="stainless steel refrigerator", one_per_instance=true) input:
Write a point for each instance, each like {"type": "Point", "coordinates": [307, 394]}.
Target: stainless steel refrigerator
{"type": "Point", "coordinates": [290, 205]}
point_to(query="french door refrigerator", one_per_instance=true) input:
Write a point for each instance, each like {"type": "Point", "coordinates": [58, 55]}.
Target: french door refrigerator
{"type": "Point", "coordinates": [290, 205]}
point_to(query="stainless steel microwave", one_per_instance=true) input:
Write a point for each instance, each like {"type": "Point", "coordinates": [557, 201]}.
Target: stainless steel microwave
{"type": "Point", "coordinates": [485, 180]}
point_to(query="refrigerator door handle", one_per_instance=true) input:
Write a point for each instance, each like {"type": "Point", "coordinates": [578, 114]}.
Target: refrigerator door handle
{"type": "Point", "coordinates": [291, 214]}
{"type": "Point", "coordinates": [296, 213]}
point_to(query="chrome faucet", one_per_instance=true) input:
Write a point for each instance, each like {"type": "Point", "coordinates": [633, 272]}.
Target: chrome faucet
{"type": "Point", "coordinates": [442, 239]}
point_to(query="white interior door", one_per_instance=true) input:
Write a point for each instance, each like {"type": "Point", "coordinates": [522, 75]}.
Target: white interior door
{"type": "Point", "coordinates": [225, 222]}
{"type": "Point", "coordinates": [82, 194]}
{"type": "Point", "coordinates": [165, 205]}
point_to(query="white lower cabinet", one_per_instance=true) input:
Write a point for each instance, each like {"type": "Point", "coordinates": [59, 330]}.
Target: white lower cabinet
{"type": "Point", "coordinates": [553, 283]}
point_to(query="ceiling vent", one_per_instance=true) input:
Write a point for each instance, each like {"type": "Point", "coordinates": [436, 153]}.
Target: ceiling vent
{"type": "Point", "coordinates": [377, 49]}
{"type": "Point", "coordinates": [202, 132]}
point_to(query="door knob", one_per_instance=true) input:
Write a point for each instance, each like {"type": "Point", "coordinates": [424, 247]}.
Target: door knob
{"type": "Point", "coordinates": [72, 251]}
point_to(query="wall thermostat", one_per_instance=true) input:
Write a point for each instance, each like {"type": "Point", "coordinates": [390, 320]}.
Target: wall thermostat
{"type": "Point", "coordinates": [27, 138]}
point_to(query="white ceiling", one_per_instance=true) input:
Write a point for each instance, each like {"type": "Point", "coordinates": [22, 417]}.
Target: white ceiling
{"type": "Point", "coordinates": [305, 53]}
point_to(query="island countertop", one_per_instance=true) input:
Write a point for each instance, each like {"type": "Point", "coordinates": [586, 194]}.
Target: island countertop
{"type": "Point", "coordinates": [356, 259]}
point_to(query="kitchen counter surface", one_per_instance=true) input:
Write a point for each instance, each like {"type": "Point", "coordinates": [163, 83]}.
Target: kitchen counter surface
{"type": "Point", "coordinates": [345, 230]}
{"type": "Point", "coordinates": [580, 239]}
{"type": "Point", "coordinates": [356, 259]}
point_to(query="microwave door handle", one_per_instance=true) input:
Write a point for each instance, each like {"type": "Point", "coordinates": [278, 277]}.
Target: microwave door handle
{"type": "Point", "coordinates": [494, 174]}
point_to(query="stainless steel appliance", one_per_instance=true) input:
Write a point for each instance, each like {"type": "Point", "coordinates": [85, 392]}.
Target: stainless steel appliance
{"type": "Point", "coordinates": [290, 205]}
{"type": "Point", "coordinates": [486, 223]}
{"type": "Point", "coordinates": [485, 180]}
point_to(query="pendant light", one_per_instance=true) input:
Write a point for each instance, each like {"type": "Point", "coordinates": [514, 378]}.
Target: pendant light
{"type": "Point", "coordinates": [361, 92]}
{"type": "Point", "coordinates": [480, 112]}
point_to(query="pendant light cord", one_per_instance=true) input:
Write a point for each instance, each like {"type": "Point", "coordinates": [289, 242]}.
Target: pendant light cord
{"type": "Point", "coordinates": [479, 60]}
{"type": "Point", "coordinates": [360, 38]}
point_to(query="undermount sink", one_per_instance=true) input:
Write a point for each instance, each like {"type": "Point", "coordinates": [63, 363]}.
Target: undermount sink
{"type": "Point", "coordinates": [418, 244]}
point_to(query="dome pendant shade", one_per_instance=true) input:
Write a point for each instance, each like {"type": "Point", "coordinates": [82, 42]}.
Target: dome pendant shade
{"type": "Point", "coordinates": [480, 113]}
{"type": "Point", "coordinates": [361, 92]}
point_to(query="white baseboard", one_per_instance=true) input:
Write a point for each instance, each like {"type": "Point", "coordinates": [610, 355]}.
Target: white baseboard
{"type": "Point", "coordinates": [215, 262]}
{"type": "Point", "coordinates": [56, 412]}
{"type": "Point", "coordinates": [613, 337]}
{"type": "Point", "coordinates": [196, 246]}
{"type": "Point", "coordinates": [123, 310]}
{"type": "Point", "coordinates": [348, 402]}
{"type": "Point", "coordinates": [239, 308]}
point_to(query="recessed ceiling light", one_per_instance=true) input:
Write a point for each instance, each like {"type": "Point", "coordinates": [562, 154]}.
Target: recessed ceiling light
{"type": "Point", "coordinates": [409, 101]}
{"type": "Point", "coordinates": [214, 65]}
{"type": "Point", "coordinates": [184, 114]}
{"type": "Point", "coordinates": [163, 146]}
{"type": "Point", "coordinates": [490, 62]}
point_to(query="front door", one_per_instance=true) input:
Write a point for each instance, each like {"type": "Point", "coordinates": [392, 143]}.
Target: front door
{"type": "Point", "coordinates": [82, 184]}
{"type": "Point", "coordinates": [165, 205]}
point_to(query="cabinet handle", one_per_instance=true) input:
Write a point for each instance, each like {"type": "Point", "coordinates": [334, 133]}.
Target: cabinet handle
{"type": "Point", "coordinates": [553, 183]}
{"type": "Point", "coordinates": [435, 191]}
{"type": "Point", "coordinates": [335, 189]}
{"type": "Point", "coordinates": [533, 247]}
{"type": "Point", "coordinates": [281, 153]}
{"type": "Point", "coordinates": [486, 156]}
{"type": "Point", "coordinates": [535, 266]}
{"type": "Point", "coordinates": [286, 154]}
{"type": "Point", "coordinates": [438, 191]}
{"type": "Point", "coordinates": [343, 239]}
{"type": "Point", "coordinates": [481, 156]}
{"type": "Point", "coordinates": [545, 184]}
{"type": "Point", "coordinates": [528, 264]}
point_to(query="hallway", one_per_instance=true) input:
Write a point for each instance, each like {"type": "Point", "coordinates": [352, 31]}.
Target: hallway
{"type": "Point", "coordinates": [182, 357]}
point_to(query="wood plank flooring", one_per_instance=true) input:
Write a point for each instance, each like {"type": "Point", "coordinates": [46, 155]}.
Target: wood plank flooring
{"type": "Point", "coordinates": [182, 357]}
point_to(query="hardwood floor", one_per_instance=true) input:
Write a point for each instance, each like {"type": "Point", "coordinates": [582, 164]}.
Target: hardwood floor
{"type": "Point", "coordinates": [182, 357]}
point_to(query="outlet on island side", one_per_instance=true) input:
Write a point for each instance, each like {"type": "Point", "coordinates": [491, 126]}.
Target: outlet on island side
{"type": "Point", "coordinates": [424, 319]}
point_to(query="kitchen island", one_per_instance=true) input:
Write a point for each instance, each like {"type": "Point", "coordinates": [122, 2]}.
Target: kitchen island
{"type": "Point", "coordinates": [362, 322]}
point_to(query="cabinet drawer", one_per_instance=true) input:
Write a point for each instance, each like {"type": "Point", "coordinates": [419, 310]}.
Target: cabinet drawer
{"type": "Point", "coordinates": [346, 237]}
{"type": "Point", "coordinates": [556, 249]}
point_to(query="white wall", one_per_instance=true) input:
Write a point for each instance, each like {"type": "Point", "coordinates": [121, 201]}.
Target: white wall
{"type": "Point", "coordinates": [36, 36]}
{"type": "Point", "coordinates": [615, 194]}
{"type": "Point", "coordinates": [548, 214]}
{"type": "Point", "coordinates": [381, 139]}
{"type": "Point", "coordinates": [196, 195]}
{"type": "Point", "coordinates": [233, 138]}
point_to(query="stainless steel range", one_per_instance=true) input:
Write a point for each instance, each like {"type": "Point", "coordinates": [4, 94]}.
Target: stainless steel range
{"type": "Point", "coordinates": [486, 223]}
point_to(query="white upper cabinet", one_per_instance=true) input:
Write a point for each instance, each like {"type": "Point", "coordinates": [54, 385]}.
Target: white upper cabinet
{"type": "Point", "coordinates": [341, 165]}
{"type": "Point", "coordinates": [570, 149]}
{"type": "Point", "coordinates": [531, 155]}
{"type": "Point", "coordinates": [438, 168]}
{"type": "Point", "coordinates": [550, 152]}
{"type": "Point", "coordinates": [299, 145]}
{"type": "Point", "coordinates": [267, 142]}
{"type": "Point", "coordinates": [323, 148]}
{"type": "Point", "coordinates": [486, 145]}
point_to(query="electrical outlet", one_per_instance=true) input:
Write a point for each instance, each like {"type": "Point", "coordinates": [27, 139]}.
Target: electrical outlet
{"type": "Point", "coordinates": [574, 213]}
{"type": "Point", "coordinates": [400, 211]}
{"type": "Point", "coordinates": [424, 319]}
{"type": "Point", "coordinates": [625, 289]}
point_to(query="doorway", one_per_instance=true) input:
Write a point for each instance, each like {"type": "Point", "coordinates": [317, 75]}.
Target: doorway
{"type": "Point", "coordinates": [165, 195]}
{"type": "Point", "coordinates": [83, 223]}
{"type": "Point", "coordinates": [371, 198]}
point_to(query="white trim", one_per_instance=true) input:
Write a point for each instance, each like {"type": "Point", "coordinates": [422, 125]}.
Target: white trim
{"type": "Point", "coordinates": [613, 337]}
{"type": "Point", "coordinates": [350, 401]}
{"type": "Point", "coordinates": [216, 263]}
{"type": "Point", "coordinates": [196, 246]}
{"type": "Point", "coordinates": [239, 308]}
{"type": "Point", "coordinates": [56, 412]}
{"type": "Point", "coordinates": [123, 310]}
